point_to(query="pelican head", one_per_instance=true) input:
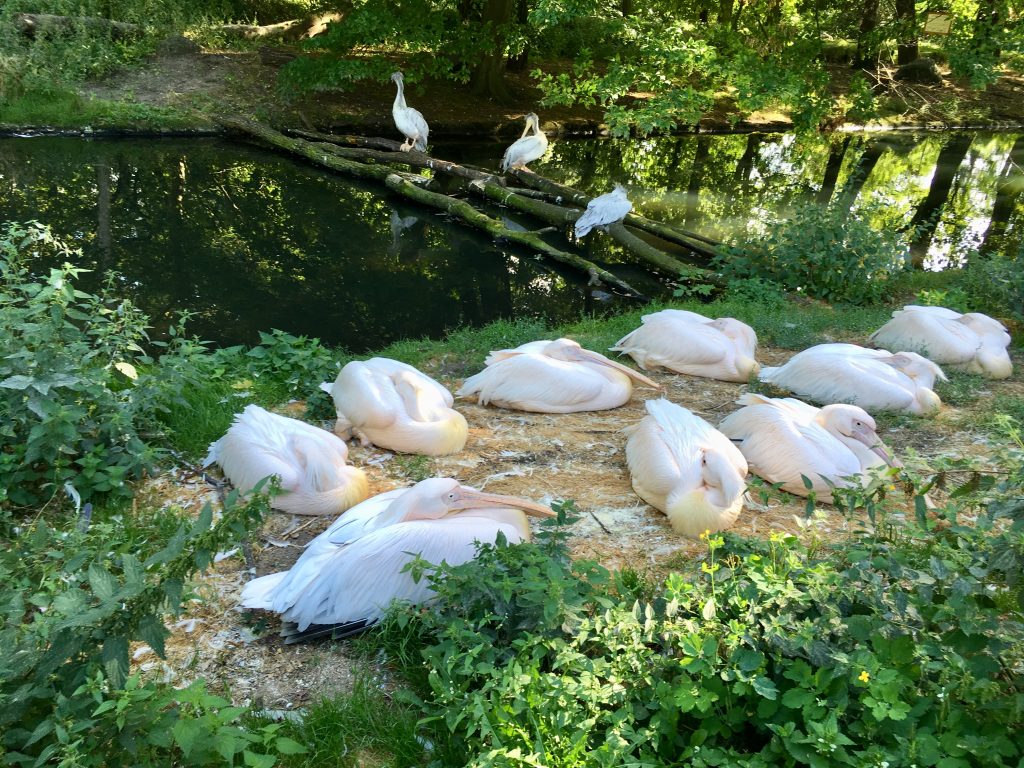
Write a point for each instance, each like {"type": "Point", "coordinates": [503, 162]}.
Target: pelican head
{"type": "Point", "coordinates": [854, 423]}
{"type": "Point", "coordinates": [570, 351]}
{"type": "Point", "coordinates": [438, 497]}
{"type": "Point", "coordinates": [397, 77]}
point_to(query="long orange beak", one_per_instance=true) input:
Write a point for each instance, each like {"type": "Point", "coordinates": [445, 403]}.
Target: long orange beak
{"type": "Point", "coordinates": [874, 444]}
{"type": "Point", "coordinates": [588, 356]}
{"type": "Point", "coordinates": [471, 499]}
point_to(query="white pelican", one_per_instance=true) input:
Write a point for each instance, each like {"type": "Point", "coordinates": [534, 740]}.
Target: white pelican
{"type": "Point", "coordinates": [680, 464]}
{"type": "Point", "coordinates": [552, 377]}
{"type": "Point", "coordinates": [973, 342]}
{"type": "Point", "coordinates": [408, 120]}
{"type": "Point", "coordinates": [874, 379]}
{"type": "Point", "coordinates": [395, 406]}
{"type": "Point", "coordinates": [310, 462]}
{"type": "Point", "coordinates": [350, 573]}
{"type": "Point", "coordinates": [526, 149]}
{"type": "Point", "coordinates": [686, 342]}
{"type": "Point", "coordinates": [783, 439]}
{"type": "Point", "coordinates": [603, 210]}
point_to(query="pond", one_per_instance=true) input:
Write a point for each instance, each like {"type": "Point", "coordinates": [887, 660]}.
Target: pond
{"type": "Point", "coordinates": [249, 240]}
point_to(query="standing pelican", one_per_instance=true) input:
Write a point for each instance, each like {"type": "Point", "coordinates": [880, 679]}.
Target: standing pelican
{"type": "Point", "coordinates": [552, 377]}
{"type": "Point", "coordinates": [310, 462]}
{"type": "Point", "coordinates": [686, 342]}
{"type": "Point", "coordinates": [350, 573]}
{"type": "Point", "coordinates": [408, 120]}
{"type": "Point", "coordinates": [974, 342]}
{"type": "Point", "coordinates": [526, 148]}
{"type": "Point", "coordinates": [395, 406]}
{"type": "Point", "coordinates": [604, 210]}
{"type": "Point", "coordinates": [680, 464]}
{"type": "Point", "coordinates": [785, 439]}
{"type": "Point", "coordinates": [871, 378]}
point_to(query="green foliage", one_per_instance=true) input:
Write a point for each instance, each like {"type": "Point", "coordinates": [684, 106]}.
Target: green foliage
{"type": "Point", "coordinates": [73, 600]}
{"type": "Point", "coordinates": [888, 649]}
{"type": "Point", "coordinates": [996, 283]}
{"type": "Point", "coordinates": [827, 253]}
{"type": "Point", "coordinates": [77, 390]}
{"type": "Point", "coordinates": [296, 363]}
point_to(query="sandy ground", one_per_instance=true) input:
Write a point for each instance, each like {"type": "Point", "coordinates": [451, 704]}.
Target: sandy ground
{"type": "Point", "coordinates": [537, 456]}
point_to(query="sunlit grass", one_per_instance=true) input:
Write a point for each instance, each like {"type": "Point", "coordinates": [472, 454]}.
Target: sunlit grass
{"type": "Point", "coordinates": [62, 108]}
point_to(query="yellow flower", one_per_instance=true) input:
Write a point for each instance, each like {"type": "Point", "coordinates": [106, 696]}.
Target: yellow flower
{"type": "Point", "coordinates": [707, 532]}
{"type": "Point", "coordinates": [864, 676]}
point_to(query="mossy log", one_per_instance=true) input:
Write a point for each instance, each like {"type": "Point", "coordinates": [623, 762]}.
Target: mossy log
{"type": "Point", "coordinates": [470, 215]}
{"type": "Point", "coordinates": [561, 216]}
{"type": "Point", "coordinates": [666, 232]}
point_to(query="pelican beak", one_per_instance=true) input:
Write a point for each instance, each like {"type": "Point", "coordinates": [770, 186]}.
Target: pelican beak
{"type": "Point", "coordinates": [593, 357]}
{"type": "Point", "coordinates": [471, 499]}
{"type": "Point", "coordinates": [876, 446]}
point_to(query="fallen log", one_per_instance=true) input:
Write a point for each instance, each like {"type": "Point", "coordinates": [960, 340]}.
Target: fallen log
{"type": "Point", "coordinates": [664, 231]}
{"type": "Point", "coordinates": [471, 215]}
{"type": "Point", "coordinates": [560, 216]}
{"type": "Point", "coordinates": [294, 29]}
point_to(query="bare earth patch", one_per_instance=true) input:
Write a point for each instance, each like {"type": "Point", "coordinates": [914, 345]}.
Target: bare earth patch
{"type": "Point", "coordinates": [537, 456]}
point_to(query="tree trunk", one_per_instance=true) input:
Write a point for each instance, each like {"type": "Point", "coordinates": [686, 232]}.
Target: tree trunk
{"type": "Point", "coordinates": [488, 77]}
{"type": "Point", "coordinates": [986, 22]}
{"type": "Point", "coordinates": [867, 43]}
{"type": "Point", "coordinates": [906, 20]}
{"type": "Point", "coordinates": [865, 165]}
{"type": "Point", "coordinates": [1007, 194]}
{"type": "Point", "coordinates": [835, 161]}
{"type": "Point", "coordinates": [696, 180]}
{"type": "Point", "coordinates": [725, 13]}
{"type": "Point", "coordinates": [925, 218]}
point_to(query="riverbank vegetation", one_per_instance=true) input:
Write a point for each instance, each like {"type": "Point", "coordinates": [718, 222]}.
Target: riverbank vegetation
{"type": "Point", "coordinates": [655, 68]}
{"type": "Point", "coordinates": [898, 642]}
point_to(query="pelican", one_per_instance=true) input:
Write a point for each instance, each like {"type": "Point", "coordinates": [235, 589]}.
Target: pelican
{"type": "Point", "coordinates": [687, 342]}
{"type": "Point", "coordinates": [526, 148]}
{"type": "Point", "coordinates": [350, 573]}
{"type": "Point", "coordinates": [394, 406]}
{"type": "Point", "coordinates": [552, 377]}
{"type": "Point", "coordinates": [680, 464]}
{"type": "Point", "coordinates": [874, 379]}
{"type": "Point", "coordinates": [603, 210]}
{"type": "Point", "coordinates": [408, 120]}
{"type": "Point", "coordinates": [784, 439]}
{"type": "Point", "coordinates": [974, 342]}
{"type": "Point", "coordinates": [309, 461]}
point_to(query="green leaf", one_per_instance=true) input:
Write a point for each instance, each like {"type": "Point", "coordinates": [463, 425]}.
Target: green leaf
{"type": "Point", "coordinates": [765, 687]}
{"type": "Point", "coordinates": [185, 732]}
{"type": "Point", "coordinates": [256, 760]}
{"type": "Point", "coordinates": [103, 583]}
{"type": "Point", "coordinates": [153, 632]}
{"type": "Point", "coordinates": [288, 746]}
{"type": "Point", "coordinates": [797, 698]}
{"type": "Point", "coordinates": [115, 659]}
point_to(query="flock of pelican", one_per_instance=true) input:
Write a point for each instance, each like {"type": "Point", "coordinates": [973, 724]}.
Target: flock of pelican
{"type": "Point", "coordinates": [679, 463]}
{"type": "Point", "coordinates": [531, 145]}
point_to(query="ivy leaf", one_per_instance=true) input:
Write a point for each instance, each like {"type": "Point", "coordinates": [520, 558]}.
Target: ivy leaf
{"type": "Point", "coordinates": [766, 688]}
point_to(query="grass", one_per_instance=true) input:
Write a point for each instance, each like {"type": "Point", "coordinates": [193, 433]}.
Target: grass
{"type": "Point", "coordinates": [365, 728]}
{"type": "Point", "coordinates": [63, 108]}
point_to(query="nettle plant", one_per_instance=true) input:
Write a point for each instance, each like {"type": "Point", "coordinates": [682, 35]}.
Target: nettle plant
{"type": "Point", "coordinates": [891, 649]}
{"type": "Point", "coordinates": [828, 253]}
{"type": "Point", "coordinates": [77, 390]}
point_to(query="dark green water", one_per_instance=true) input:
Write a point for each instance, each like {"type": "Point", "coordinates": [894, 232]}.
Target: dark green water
{"type": "Point", "coordinates": [249, 240]}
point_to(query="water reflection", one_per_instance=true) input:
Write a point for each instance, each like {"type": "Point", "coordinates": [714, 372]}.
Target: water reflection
{"type": "Point", "coordinates": [250, 240]}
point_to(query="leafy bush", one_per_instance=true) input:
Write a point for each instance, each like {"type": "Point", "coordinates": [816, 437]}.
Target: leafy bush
{"type": "Point", "coordinates": [72, 602]}
{"type": "Point", "coordinates": [297, 363]}
{"type": "Point", "coordinates": [828, 253]}
{"type": "Point", "coordinates": [888, 650]}
{"type": "Point", "coordinates": [77, 390]}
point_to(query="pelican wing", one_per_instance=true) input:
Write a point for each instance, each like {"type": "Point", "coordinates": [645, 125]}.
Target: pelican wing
{"type": "Point", "coordinates": [536, 347]}
{"type": "Point", "coordinates": [602, 210]}
{"type": "Point", "coordinates": [673, 342]}
{"type": "Point", "coordinates": [523, 151]}
{"type": "Point", "coordinates": [360, 578]}
{"type": "Point", "coordinates": [392, 367]}
{"type": "Point", "coordinates": [532, 382]}
{"type": "Point", "coordinates": [366, 396]}
{"type": "Point", "coordinates": [938, 335]}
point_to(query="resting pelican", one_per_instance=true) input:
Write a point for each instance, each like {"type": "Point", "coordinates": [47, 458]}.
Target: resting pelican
{"type": "Point", "coordinates": [974, 342]}
{"type": "Point", "coordinates": [394, 406]}
{"type": "Point", "coordinates": [350, 573]}
{"type": "Point", "coordinates": [603, 210]}
{"type": "Point", "coordinates": [689, 470]}
{"type": "Point", "coordinates": [686, 342]}
{"type": "Point", "coordinates": [783, 439]}
{"type": "Point", "coordinates": [408, 120]}
{"type": "Point", "coordinates": [874, 379]}
{"type": "Point", "coordinates": [552, 377]}
{"type": "Point", "coordinates": [310, 462]}
{"type": "Point", "coordinates": [526, 149]}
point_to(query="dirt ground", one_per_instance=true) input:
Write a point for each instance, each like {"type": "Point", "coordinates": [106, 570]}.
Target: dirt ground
{"type": "Point", "coordinates": [537, 456]}
{"type": "Point", "coordinates": [233, 82]}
